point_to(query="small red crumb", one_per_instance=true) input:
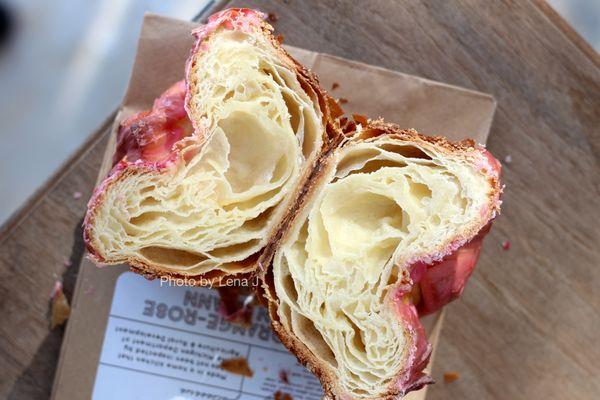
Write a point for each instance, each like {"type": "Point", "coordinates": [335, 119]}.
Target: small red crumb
{"type": "Point", "coordinates": [505, 245]}
{"type": "Point", "coordinates": [283, 376]}
{"type": "Point", "coordinates": [67, 264]}
{"type": "Point", "coordinates": [238, 366]}
{"type": "Point", "coordinates": [77, 195]}
{"type": "Point", "coordinates": [343, 100]}
{"type": "Point", "coordinates": [279, 38]}
{"type": "Point", "coordinates": [230, 307]}
{"type": "Point", "coordinates": [279, 395]}
{"type": "Point", "coordinates": [451, 376]}
{"type": "Point", "coordinates": [60, 306]}
{"type": "Point", "coordinates": [335, 86]}
{"type": "Point", "coordinates": [508, 159]}
{"type": "Point", "coordinates": [272, 17]}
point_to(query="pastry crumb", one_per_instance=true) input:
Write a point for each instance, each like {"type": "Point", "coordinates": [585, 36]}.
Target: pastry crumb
{"type": "Point", "coordinates": [343, 100]}
{"type": "Point", "coordinates": [272, 17]}
{"type": "Point", "coordinates": [279, 395]}
{"type": "Point", "coordinates": [279, 38]}
{"type": "Point", "coordinates": [231, 309]}
{"type": "Point", "coordinates": [238, 366]}
{"type": "Point", "coordinates": [60, 310]}
{"type": "Point", "coordinates": [506, 245]}
{"type": "Point", "coordinates": [508, 159]}
{"type": "Point", "coordinates": [77, 195]}
{"type": "Point", "coordinates": [284, 377]}
{"type": "Point", "coordinates": [451, 376]}
{"type": "Point", "coordinates": [335, 86]}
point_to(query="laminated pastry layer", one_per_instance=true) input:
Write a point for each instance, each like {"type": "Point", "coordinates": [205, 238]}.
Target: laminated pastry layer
{"type": "Point", "coordinates": [342, 277]}
{"type": "Point", "coordinates": [211, 203]}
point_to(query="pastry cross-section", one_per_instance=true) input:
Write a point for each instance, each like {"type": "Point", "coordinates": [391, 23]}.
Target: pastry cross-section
{"type": "Point", "coordinates": [204, 178]}
{"type": "Point", "coordinates": [388, 204]}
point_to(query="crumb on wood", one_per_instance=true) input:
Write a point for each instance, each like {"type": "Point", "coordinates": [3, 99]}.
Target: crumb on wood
{"type": "Point", "coordinates": [335, 86]}
{"type": "Point", "coordinates": [77, 195]}
{"type": "Point", "coordinates": [508, 159]}
{"type": "Point", "coordinates": [238, 366]}
{"type": "Point", "coordinates": [506, 245]}
{"type": "Point", "coordinates": [451, 376]}
{"type": "Point", "coordinates": [272, 17]}
{"type": "Point", "coordinates": [60, 310]}
{"type": "Point", "coordinates": [343, 100]}
{"type": "Point", "coordinates": [279, 38]}
{"type": "Point", "coordinates": [279, 395]}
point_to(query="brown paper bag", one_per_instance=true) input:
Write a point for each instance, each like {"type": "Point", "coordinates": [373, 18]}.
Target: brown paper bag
{"type": "Point", "coordinates": [412, 102]}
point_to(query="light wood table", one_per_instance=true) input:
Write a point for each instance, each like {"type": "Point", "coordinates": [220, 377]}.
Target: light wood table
{"type": "Point", "coordinates": [528, 324]}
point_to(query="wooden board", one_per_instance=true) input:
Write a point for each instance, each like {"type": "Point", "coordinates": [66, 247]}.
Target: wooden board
{"type": "Point", "coordinates": [527, 324]}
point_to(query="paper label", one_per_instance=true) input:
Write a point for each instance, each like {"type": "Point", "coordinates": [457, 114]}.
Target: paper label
{"type": "Point", "coordinates": [167, 342]}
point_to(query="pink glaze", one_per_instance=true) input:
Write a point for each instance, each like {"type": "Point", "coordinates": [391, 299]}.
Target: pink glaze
{"type": "Point", "coordinates": [150, 135]}
{"type": "Point", "coordinates": [490, 164]}
{"type": "Point", "coordinates": [238, 19]}
{"type": "Point", "coordinates": [445, 280]}
{"type": "Point", "coordinates": [412, 377]}
{"type": "Point", "coordinates": [146, 143]}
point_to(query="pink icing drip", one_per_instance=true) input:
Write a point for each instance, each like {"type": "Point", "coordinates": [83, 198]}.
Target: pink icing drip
{"type": "Point", "coordinates": [150, 135]}
{"type": "Point", "coordinates": [444, 280]}
{"type": "Point", "coordinates": [440, 282]}
{"type": "Point", "coordinates": [489, 164]}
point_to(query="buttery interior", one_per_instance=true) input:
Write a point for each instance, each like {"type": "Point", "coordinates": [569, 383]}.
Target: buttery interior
{"type": "Point", "coordinates": [217, 205]}
{"type": "Point", "coordinates": [385, 203]}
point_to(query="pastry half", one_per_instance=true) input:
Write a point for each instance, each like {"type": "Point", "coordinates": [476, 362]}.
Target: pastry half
{"type": "Point", "coordinates": [203, 179]}
{"type": "Point", "coordinates": [388, 210]}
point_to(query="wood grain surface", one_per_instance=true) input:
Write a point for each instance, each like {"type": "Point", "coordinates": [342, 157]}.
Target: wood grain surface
{"type": "Point", "coordinates": [528, 323]}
